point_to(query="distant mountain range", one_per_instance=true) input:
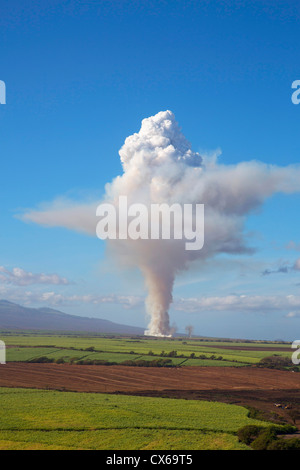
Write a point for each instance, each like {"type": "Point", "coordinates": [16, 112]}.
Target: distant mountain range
{"type": "Point", "coordinates": [14, 316]}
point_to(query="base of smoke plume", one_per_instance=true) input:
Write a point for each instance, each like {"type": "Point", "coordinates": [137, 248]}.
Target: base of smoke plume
{"type": "Point", "coordinates": [160, 335]}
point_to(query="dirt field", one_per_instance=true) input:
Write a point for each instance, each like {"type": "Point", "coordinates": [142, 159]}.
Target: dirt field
{"type": "Point", "coordinates": [256, 387]}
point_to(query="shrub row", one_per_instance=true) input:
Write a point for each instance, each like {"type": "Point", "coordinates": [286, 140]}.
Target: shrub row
{"type": "Point", "coordinates": [278, 362]}
{"type": "Point", "coordinates": [95, 362]}
{"type": "Point", "coordinates": [266, 438]}
{"type": "Point", "coordinates": [191, 356]}
{"type": "Point", "coordinates": [42, 359]}
{"type": "Point", "coordinates": [144, 363]}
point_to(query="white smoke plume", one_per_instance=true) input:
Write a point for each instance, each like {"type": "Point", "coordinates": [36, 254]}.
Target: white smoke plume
{"type": "Point", "coordinates": [160, 167]}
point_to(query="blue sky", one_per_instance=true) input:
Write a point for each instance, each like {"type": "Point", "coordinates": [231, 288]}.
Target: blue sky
{"type": "Point", "coordinates": [80, 77]}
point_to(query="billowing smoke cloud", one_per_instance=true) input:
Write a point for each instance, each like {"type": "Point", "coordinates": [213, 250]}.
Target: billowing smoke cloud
{"type": "Point", "coordinates": [160, 167]}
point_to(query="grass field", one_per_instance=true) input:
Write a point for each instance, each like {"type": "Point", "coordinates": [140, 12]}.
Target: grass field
{"type": "Point", "coordinates": [33, 419]}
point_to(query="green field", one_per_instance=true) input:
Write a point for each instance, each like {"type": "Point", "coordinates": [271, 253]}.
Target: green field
{"type": "Point", "coordinates": [33, 419]}
{"type": "Point", "coordinates": [43, 419]}
{"type": "Point", "coordinates": [181, 352]}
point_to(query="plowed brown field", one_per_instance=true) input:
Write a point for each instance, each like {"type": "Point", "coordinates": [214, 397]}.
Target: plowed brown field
{"type": "Point", "coordinates": [121, 378]}
{"type": "Point", "coordinates": [251, 386]}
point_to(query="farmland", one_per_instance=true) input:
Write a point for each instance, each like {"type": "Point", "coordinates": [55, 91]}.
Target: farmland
{"type": "Point", "coordinates": [66, 391]}
{"type": "Point", "coordinates": [180, 352]}
{"type": "Point", "coordinates": [55, 420]}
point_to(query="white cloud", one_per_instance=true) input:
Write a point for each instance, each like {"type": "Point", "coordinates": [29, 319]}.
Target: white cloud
{"type": "Point", "coordinates": [293, 246]}
{"type": "Point", "coordinates": [31, 297]}
{"type": "Point", "coordinates": [296, 266]}
{"type": "Point", "coordinates": [20, 277]}
{"type": "Point", "coordinates": [287, 305]}
{"type": "Point", "coordinates": [239, 303]}
{"type": "Point", "coordinates": [293, 315]}
{"type": "Point", "coordinates": [283, 268]}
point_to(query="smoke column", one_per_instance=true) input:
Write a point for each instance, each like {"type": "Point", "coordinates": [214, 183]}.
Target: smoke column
{"type": "Point", "coordinates": [155, 163]}
{"type": "Point", "coordinates": [160, 167]}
